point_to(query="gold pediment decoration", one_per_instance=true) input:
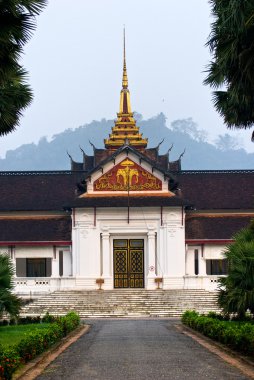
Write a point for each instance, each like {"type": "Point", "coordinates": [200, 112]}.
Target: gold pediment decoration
{"type": "Point", "coordinates": [127, 176]}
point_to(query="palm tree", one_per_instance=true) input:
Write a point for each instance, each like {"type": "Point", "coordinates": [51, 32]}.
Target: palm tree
{"type": "Point", "coordinates": [232, 47]}
{"type": "Point", "coordinates": [9, 302]}
{"type": "Point", "coordinates": [17, 21]}
{"type": "Point", "coordinates": [237, 289]}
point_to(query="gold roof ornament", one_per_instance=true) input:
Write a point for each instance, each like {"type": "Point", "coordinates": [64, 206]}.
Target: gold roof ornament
{"type": "Point", "coordinates": [125, 77]}
{"type": "Point", "coordinates": [127, 162]}
{"type": "Point", "coordinates": [125, 128]}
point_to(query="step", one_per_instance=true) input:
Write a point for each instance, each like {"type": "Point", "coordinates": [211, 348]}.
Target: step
{"type": "Point", "coordinates": [123, 303]}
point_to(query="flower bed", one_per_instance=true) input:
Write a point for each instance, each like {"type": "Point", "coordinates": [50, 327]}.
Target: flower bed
{"type": "Point", "coordinates": [238, 335]}
{"type": "Point", "coordinates": [35, 343]}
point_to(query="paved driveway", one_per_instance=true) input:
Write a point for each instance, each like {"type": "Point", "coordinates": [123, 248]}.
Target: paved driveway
{"type": "Point", "coordinates": [138, 349]}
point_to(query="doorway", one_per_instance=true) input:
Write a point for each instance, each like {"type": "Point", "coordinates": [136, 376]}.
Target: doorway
{"type": "Point", "coordinates": [128, 263]}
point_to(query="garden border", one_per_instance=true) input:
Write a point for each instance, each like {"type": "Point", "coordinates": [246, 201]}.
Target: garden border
{"type": "Point", "coordinates": [35, 367]}
{"type": "Point", "coordinates": [243, 363]}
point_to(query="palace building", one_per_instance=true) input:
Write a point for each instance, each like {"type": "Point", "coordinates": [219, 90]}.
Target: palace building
{"type": "Point", "coordinates": [125, 217]}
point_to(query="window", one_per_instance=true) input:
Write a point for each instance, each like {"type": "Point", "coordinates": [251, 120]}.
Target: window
{"type": "Point", "coordinates": [40, 267]}
{"type": "Point", "coordinates": [216, 267]}
{"type": "Point", "coordinates": [136, 243]}
{"type": "Point", "coordinates": [196, 267]}
{"type": "Point", "coordinates": [60, 263]}
{"type": "Point", "coordinates": [35, 267]}
{"type": "Point", "coordinates": [120, 243]}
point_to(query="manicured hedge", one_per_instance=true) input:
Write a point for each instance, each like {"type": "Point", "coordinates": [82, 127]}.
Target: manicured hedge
{"type": "Point", "coordinates": [235, 334]}
{"type": "Point", "coordinates": [35, 343]}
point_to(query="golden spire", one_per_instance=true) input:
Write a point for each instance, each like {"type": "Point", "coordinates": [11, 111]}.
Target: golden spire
{"type": "Point", "coordinates": [125, 78]}
{"type": "Point", "coordinates": [125, 126]}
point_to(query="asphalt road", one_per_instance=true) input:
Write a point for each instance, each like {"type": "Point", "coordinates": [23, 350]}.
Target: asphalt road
{"type": "Point", "coordinates": [138, 349]}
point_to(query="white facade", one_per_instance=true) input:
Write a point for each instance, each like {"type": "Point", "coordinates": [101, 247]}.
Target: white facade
{"type": "Point", "coordinates": [89, 262]}
{"type": "Point", "coordinates": [164, 244]}
{"type": "Point", "coordinates": [166, 255]}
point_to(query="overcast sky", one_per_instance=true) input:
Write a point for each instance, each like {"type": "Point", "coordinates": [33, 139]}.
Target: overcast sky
{"type": "Point", "coordinates": [74, 61]}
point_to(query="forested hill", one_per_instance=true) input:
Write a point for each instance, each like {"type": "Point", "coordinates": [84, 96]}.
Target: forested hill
{"type": "Point", "coordinates": [184, 134]}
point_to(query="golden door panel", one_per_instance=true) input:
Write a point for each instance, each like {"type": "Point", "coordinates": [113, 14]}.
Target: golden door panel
{"type": "Point", "coordinates": [128, 263]}
{"type": "Point", "coordinates": [121, 268]}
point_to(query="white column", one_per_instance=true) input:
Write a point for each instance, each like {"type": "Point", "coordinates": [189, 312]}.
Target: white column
{"type": "Point", "coordinates": [202, 262]}
{"type": "Point", "coordinates": [106, 261]}
{"type": "Point", "coordinates": [151, 259]}
{"type": "Point", "coordinates": [75, 252]}
{"type": "Point", "coordinates": [12, 254]}
{"type": "Point", "coordinates": [160, 253]}
{"type": "Point", "coordinates": [55, 263]}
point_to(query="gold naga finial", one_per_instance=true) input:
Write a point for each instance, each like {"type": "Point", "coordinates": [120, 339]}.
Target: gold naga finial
{"type": "Point", "coordinates": [125, 78]}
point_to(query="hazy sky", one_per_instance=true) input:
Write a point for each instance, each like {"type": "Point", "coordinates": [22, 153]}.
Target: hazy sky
{"type": "Point", "coordinates": [74, 61]}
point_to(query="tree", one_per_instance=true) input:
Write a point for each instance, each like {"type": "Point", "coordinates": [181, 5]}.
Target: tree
{"type": "Point", "coordinates": [226, 142]}
{"type": "Point", "coordinates": [237, 289]}
{"type": "Point", "coordinates": [17, 21]}
{"type": "Point", "coordinates": [231, 43]}
{"type": "Point", "coordinates": [189, 127]}
{"type": "Point", "coordinates": [9, 302]}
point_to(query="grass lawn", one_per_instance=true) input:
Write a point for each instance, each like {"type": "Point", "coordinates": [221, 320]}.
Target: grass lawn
{"type": "Point", "coordinates": [10, 335]}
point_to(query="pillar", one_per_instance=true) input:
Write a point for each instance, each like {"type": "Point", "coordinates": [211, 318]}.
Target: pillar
{"type": "Point", "coordinates": [106, 260]}
{"type": "Point", "coordinates": [151, 259]}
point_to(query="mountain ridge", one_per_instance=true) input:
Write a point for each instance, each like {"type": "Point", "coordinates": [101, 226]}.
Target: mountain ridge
{"type": "Point", "coordinates": [183, 134]}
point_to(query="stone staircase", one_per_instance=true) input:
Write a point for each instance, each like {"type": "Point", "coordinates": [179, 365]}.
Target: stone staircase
{"type": "Point", "coordinates": [123, 303]}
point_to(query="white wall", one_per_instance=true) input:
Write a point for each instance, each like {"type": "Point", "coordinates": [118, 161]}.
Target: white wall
{"type": "Point", "coordinates": [164, 245]}
{"type": "Point", "coordinates": [33, 252]}
{"type": "Point", "coordinates": [47, 252]}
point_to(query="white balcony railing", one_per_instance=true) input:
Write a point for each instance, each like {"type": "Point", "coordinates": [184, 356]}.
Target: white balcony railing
{"type": "Point", "coordinates": [209, 282]}
{"type": "Point", "coordinates": [33, 285]}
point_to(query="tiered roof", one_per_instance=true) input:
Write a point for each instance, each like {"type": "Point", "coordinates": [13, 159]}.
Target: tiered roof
{"type": "Point", "coordinates": [125, 132]}
{"type": "Point", "coordinates": [224, 203]}
{"type": "Point", "coordinates": [52, 190]}
{"type": "Point", "coordinates": [125, 127]}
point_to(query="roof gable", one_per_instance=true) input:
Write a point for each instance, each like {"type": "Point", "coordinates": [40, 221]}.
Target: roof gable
{"type": "Point", "coordinates": [127, 175]}
{"type": "Point", "coordinates": [127, 171]}
{"type": "Point", "coordinates": [127, 149]}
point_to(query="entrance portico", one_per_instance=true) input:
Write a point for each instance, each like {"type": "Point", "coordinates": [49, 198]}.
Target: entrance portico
{"type": "Point", "coordinates": [128, 254]}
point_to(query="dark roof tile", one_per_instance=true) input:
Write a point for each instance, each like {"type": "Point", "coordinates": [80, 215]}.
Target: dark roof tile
{"type": "Point", "coordinates": [215, 227]}
{"type": "Point", "coordinates": [218, 189]}
{"type": "Point", "coordinates": [50, 229]}
{"type": "Point", "coordinates": [133, 201]}
{"type": "Point", "coordinates": [37, 190]}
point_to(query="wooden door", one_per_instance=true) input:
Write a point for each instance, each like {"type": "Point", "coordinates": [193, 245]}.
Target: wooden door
{"type": "Point", "coordinates": [128, 263]}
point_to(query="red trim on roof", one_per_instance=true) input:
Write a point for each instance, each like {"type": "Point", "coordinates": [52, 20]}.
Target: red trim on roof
{"type": "Point", "coordinates": [35, 243]}
{"type": "Point", "coordinates": [208, 241]}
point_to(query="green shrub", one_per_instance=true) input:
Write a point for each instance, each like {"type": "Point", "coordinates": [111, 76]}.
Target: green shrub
{"type": "Point", "coordinates": [28, 320]}
{"type": "Point", "coordinates": [35, 343]}
{"type": "Point", "coordinates": [9, 362]}
{"type": "Point", "coordinates": [237, 335]}
{"type": "Point", "coordinates": [221, 317]}
{"type": "Point", "coordinates": [48, 318]}
{"type": "Point", "coordinates": [4, 322]}
{"type": "Point", "coordinates": [38, 341]}
{"type": "Point", "coordinates": [69, 322]}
